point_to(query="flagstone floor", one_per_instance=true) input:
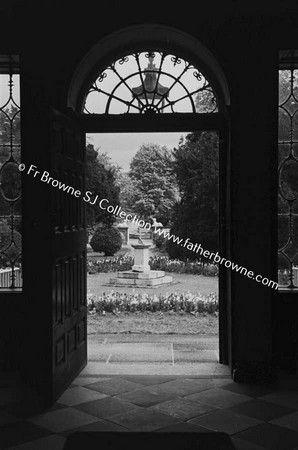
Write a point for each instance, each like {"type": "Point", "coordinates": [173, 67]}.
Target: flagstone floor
{"type": "Point", "coordinates": [256, 417]}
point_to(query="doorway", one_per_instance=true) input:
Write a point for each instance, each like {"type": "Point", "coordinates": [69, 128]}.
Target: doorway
{"type": "Point", "coordinates": [170, 324]}
{"type": "Point", "coordinates": [152, 104]}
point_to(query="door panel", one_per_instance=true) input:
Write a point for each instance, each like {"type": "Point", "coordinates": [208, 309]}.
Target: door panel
{"type": "Point", "coordinates": [68, 253]}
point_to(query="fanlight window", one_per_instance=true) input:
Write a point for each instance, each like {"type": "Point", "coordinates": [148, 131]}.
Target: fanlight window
{"type": "Point", "coordinates": [150, 82]}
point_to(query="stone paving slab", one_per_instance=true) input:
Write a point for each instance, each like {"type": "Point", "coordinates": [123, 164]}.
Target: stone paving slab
{"type": "Point", "coordinates": [159, 354]}
{"type": "Point", "coordinates": [131, 352]}
{"type": "Point", "coordinates": [196, 345]}
{"type": "Point", "coordinates": [200, 356]}
{"type": "Point", "coordinates": [197, 369]}
{"type": "Point", "coordinates": [203, 342]}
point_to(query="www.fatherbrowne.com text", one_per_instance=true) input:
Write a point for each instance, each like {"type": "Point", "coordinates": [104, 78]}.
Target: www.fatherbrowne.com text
{"type": "Point", "coordinates": [104, 204]}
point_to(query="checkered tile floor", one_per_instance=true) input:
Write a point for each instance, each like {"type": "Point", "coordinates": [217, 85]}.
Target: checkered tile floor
{"type": "Point", "coordinates": [257, 417]}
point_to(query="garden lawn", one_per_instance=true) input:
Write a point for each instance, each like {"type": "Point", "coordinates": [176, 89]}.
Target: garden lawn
{"type": "Point", "coordinates": [183, 282]}
{"type": "Point", "coordinates": [153, 323]}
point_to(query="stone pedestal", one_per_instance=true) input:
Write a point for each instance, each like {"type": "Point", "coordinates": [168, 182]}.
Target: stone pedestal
{"type": "Point", "coordinates": [141, 275]}
{"type": "Point", "coordinates": [141, 258]}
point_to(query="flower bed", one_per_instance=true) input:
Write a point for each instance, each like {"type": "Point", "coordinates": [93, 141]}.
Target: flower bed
{"type": "Point", "coordinates": [117, 264]}
{"type": "Point", "coordinates": [122, 263]}
{"type": "Point", "coordinates": [117, 302]}
{"type": "Point", "coordinates": [196, 267]}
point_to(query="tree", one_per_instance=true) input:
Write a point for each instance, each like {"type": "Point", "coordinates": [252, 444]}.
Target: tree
{"type": "Point", "coordinates": [108, 163]}
{"type": "Point", "coordinates": [155, 189]}
{"type": "Point", "coordinates": [196, 214]}
{"type": "Point", "coordinates": [127, 190]}
{"type": "Point", "coordinates": [101, 181]}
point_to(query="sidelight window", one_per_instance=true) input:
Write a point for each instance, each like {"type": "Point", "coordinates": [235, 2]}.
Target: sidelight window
{"type": "Point", "coordinates": [288, 170]}
{"type": "Point", "coordinates": [10, 180]}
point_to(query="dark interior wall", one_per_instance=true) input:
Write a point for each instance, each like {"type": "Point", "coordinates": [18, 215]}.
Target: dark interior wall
{"type": "Point", "coordinates": [52, 37]}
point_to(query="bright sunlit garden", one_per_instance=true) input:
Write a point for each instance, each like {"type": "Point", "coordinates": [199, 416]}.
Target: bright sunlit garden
{"type": "Point", "coordinates": [173, 187]}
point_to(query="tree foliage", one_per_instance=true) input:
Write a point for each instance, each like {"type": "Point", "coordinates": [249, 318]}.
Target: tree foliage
{"type": "Point", "coordinates": [196, 214]}
{"type": "Point", "coordinates": [154, 185]}
{"type": "Point", "coordinates": [127, 190]}
{"type": "Point", "coordinates": [101, 181]}
{"type": "Point", "coordinates": [205, 101]}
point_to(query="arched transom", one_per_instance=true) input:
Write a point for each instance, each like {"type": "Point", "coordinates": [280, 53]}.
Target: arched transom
{"type": "Point", "coordinates": [150, 82]}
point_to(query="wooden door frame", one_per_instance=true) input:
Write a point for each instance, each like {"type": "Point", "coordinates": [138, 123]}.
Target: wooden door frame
{"type": "Point", "coordinates": [183, 122]}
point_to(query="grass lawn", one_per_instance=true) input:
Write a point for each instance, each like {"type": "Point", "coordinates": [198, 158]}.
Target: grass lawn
{"type": "Point", "coordinates": [183, 282]}
{"type": "Point", "coordinates": [153, 323]}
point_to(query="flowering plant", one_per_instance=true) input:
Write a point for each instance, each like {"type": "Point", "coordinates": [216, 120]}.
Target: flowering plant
{"type": "Point", "coordinates": [196, 267]}
{"type": "Point", "coordinates": [116, 264]}
{"type": "Point", "coordinates": [122, 263]}
{"type": "Point", "coordinates": [122, 302]}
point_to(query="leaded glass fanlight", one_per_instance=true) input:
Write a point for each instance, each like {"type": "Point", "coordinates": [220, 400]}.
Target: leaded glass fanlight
{"type": "Point", "coordinates": [150, 82]}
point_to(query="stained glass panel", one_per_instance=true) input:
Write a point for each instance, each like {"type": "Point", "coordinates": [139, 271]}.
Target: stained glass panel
{"type": "Point", "coordinates": [10, 180]}
{"type": "Point", "coordinates": [288, 176]}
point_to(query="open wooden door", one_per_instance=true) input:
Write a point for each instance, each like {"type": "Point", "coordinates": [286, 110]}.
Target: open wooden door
{"type": "Point", "coordinates": [68, 255]}
{"type": "Point", "coordinates": [68, 252]}
{"type": "Point", "coordinates": [54, 262]}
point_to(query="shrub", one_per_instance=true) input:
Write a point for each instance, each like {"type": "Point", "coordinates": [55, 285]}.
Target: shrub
{"type": "Point", "coordinates": [159, 241]}
{"type": "Point", "coordinates": [210, 270]}
{"type": "Point", "coordinates": [106, 239]}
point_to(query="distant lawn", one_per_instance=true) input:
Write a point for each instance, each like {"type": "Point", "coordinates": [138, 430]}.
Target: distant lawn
{"type": "Point", "coordinates": [154, 323]}
{"type": "Point", "coordinates": [183, 282]}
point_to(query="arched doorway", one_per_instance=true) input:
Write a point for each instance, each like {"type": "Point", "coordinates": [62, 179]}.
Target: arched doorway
{"type": "Point", "coordinates": [150, 105]}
